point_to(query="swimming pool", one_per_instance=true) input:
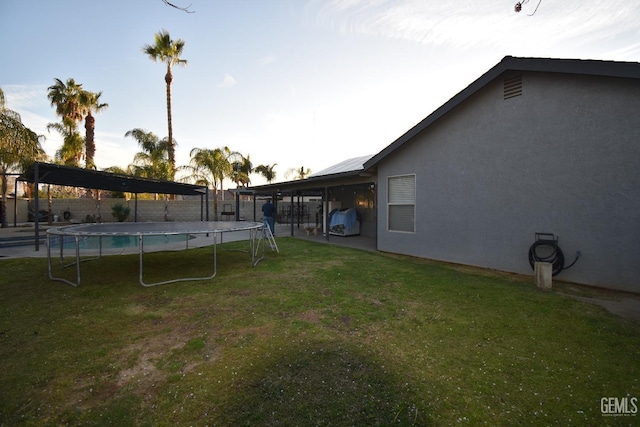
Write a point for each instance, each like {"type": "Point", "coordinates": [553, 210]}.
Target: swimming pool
{"type": "Point", "coordinates": [116, 242]}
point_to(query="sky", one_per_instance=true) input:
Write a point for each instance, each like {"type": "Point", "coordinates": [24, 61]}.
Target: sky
{"type": "Point", "coordinates": [297, 83]}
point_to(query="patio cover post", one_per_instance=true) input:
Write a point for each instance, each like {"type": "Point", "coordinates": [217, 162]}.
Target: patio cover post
{"type": "Point", "coordinates": [206, 196]}
{"type": "Point", "coordinates": [291, 195]}
{"type": "Point", "coordinates": [325, 212]}
{"type": "Point", "coordinates": [15, 203]}
{"type": "Point", "coordinates": [238, 204]}
{"type": "Point", "coordinates": [36, 182]}
{"type": "Point", "coordinates": [299, 212]}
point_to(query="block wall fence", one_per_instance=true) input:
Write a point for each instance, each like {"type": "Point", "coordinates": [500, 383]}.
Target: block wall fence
{"type": "Point", "coordinates": [148, 210]}
{"type": "Point", "coordinates": [152, 210]}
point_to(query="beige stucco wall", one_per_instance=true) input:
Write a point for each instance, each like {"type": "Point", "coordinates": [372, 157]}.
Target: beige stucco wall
{"type": "Point", "coordinates": [21, 205]}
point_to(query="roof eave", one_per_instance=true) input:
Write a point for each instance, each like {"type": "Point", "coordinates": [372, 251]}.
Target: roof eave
{"type": "Point", "coordinates": [311, 182]}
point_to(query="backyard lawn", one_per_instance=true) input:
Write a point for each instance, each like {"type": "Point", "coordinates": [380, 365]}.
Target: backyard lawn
{"type": "Point", "coordinates": [315, 335]}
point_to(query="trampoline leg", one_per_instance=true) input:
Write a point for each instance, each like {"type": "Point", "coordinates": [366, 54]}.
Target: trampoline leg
{"type": "Point", "coordinates": [183, 279]}
{"type": "Point", "coordinates": [78, 260]}
{"type": "Point", "coordinates": [61, 261]}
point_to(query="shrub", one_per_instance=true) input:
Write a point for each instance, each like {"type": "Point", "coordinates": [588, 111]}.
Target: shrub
{"type": "Point", "coordinates": [120, 212]}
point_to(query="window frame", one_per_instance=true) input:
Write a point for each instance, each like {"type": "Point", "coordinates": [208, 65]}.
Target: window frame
{"type": "Point", "coordinates": [410, 201]}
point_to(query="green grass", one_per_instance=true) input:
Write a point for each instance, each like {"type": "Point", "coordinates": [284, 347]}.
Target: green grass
{"type": "Point", "coordinates": [315, 335]}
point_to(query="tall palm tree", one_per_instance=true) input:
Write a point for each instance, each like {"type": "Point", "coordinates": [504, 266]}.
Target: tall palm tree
{"type": "Point", "coordinates": [167, 51]}
{"type": "Point", "coordinates": [66, 98]}
{"type": "Point", "coordinates": [210, 167]}
{"type": "Point", "coordinates": [152, 161]}
{"type": "Point", "coordinates": [267, 171]}
{"type": "Point", "coordinates": [19, 147]}
{"type": "Point", "coordinates": [90, 103]}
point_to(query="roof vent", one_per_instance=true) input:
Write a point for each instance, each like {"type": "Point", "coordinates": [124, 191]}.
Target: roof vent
{"type": "Point", "coordinates": [513, 86]}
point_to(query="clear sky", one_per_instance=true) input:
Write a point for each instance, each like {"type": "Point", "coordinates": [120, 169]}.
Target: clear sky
{"type": "Point", "coordinates": [294, 82]}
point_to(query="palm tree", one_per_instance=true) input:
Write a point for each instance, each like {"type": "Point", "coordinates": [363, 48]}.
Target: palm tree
{"type": "Point", "coordinates": [19, 147]}
{"type": "Point", "coordinates": [119, 171]}
{"type": "Point", "coordinates": [72, 148]}
{"type": "Point", "coordinates": [72, 103]}
{"type": "Point", "coordinates": [296, 174]}
{"type": "Point", "coordinates": [66, 98]}
{"type": "Point", "coordinates": [152, 161]}
{"type": "Point", "coordinates": [90, 103]}
{"type": "Point", "coordinates": [241, 169]}
{"type": "Point", "coordinates": [267, 171]}
{"type": "Point", "coordinates": [210, 168]}
{"type": "Point", "coordinates": [167, 51]}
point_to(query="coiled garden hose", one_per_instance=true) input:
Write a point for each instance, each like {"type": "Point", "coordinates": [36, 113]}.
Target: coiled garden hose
{"type": "Point", "coordinates": [552, 254]}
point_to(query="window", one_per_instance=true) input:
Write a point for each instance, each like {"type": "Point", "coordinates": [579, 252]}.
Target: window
{"type": "Point", "coordinates": [401, 208]}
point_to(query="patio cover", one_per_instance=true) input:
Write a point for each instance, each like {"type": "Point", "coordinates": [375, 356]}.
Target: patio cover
{"type": "Point", "coordinates": [346, 173]}
{"type": "Point", "coordinates": [48, 173]}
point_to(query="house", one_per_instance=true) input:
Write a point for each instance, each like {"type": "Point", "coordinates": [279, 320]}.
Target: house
{"type": "Point", "coordinates": [533, 146]}
{"type": "Point", "coordinates": [534, 149]}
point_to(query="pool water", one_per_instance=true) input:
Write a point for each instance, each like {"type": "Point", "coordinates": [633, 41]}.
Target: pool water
{"type": "Point", "coordinates": [117, 242]}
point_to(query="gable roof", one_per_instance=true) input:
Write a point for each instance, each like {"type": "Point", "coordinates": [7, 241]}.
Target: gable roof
{"type": "Point", "coordinates": [49, 173]}
{"type": "Point", "coordinates": [509, 63]}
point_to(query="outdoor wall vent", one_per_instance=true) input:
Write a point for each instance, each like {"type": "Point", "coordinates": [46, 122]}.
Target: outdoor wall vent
{"type": "Point", "coordinates": [513, 86]}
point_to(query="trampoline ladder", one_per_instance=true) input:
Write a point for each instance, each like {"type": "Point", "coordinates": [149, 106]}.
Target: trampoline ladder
{"type": "Point", "coordinates": [267, 234]}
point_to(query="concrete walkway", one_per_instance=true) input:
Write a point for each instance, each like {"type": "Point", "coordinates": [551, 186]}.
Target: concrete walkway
{"type": "Point", "coordinates": [25, 233]}
{"type": "Point", "coordinates": [365, 243]}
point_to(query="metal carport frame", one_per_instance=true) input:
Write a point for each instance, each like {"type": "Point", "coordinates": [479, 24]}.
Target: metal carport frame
{"type": "Point", "coordinates": [48, 173]}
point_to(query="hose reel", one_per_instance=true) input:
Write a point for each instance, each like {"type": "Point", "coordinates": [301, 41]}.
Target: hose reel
{"type": "Point", "coordinates": [546, 249]}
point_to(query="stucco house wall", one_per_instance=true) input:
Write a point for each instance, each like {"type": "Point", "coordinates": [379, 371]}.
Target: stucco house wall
{"type": "Point", "coordinates": [562, 158]}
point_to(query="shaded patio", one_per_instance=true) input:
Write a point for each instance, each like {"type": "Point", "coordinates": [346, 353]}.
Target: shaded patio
{"type": "Point", "coordinates": [366, 243]}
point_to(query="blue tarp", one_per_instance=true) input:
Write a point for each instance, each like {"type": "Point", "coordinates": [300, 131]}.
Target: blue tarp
{"type": "Point", "coordinates": [346, 217]}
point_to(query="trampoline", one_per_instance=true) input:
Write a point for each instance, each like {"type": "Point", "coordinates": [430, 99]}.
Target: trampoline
{"type": "Point", "coordinates": [214, 229]}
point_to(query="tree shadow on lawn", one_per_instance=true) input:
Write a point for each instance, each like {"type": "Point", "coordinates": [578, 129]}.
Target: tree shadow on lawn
{"type": "Point", "coordinates": [324, 383]}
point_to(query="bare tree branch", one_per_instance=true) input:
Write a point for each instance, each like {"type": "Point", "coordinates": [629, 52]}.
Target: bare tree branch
{"type": "Point", "coordinates": [185, 9]}
{"type": "Point", "coordinates": [519, 5]}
